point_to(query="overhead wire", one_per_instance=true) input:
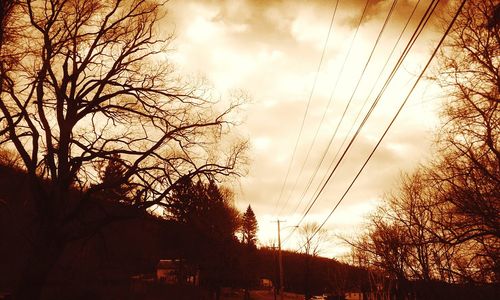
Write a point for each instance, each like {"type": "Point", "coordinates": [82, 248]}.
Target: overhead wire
{"type": "Point", "coordinates": [329, 101]}
{"type": "Point", "coordinates": [362, 108]}
{"type": "Point", "coordinates": [364, 104]}
{"type": "Point", "coordinates": [306, 110]}
{"type": "Point", "coordinates": [328, 104]}
{"type": "Point", "coordinates": [376, 81]}
{"type": "Point", "coordinates": [412, 40]}
{"type": "Point", "coordinates": [445, 34]}
{"type": "Point", "coordinates": [326, 150]}
{"type": "Point", "coordinates": [391, 76]}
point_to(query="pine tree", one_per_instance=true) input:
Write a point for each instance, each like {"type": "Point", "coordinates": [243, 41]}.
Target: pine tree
{"type": "Point", "coordinates": [249, 227]}
{"type": "Point", "coordinates": [112, 176]}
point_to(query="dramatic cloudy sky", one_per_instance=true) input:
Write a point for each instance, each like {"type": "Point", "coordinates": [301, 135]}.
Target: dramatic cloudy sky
{"type": "Point", "coordinates": [271, 50]}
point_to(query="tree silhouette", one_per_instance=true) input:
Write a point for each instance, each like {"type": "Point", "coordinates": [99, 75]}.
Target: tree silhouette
{"type": "Point", "coordinates": [9, 55]}
{"type": "Point", "coordinates": [468, 171]}
{"type": "Point", "coordinates": [209, 213]}
{"type": "Point", "coordinates": [248, 230]}
{"type": "Point", "coordinates": [470, 136]}
{"type": "Point", "coordinates": [113, 176]}
{"type": "Point", "coordinates": [204, 207]}
{"type": "Point", "coordinates": [312, 239]}
{"type": "Point", "coordinates": [249, 227]}
{"type": "Point", "coordinates": [442, 223]}
{"type": "Point", "coordinates": [93, 81]}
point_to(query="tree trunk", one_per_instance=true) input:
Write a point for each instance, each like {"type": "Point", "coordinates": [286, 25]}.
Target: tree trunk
{"type": "Point", "coordinates": [307, 291]}
{"type": "Point", "coordinates": [42, 260]}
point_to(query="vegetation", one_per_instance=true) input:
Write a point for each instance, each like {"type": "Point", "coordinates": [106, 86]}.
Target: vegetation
{"type": "Point", "coordinates": [249, 227]}
{"type": "Point", "coordinates": [208, 213]}
{"type": "Point", "coordinates": [101, 265]}
{"type": "Point", "coordinates": [112, 175]}
{"type": "Point", "coordinates": [442, 223]}
{"type": "Point", "coordinates": [311, 244]}
{"type": "Point", "coordinates": [86, 84]}
{"type": "Point", "coordinates": [102, 142]}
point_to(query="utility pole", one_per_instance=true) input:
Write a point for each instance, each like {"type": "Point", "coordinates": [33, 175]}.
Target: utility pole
{"type": "Point", "coordinates": [280, 258]}
{"type": "Point", "coordinates": [275, 271]}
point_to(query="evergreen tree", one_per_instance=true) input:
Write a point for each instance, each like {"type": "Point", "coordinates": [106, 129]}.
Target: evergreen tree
{"type": "Point", "coordinates": [117, 188]}
{"type": "Point", "coordinates": [249, 238]}
{"type": "Point", "coordinates": [204, 207]}
{"type": "Point", "coordinates": [208, 213]}
{"type": "Point", "coordinates": [249, 227]}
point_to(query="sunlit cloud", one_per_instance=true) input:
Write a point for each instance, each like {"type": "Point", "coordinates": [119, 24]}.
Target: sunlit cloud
{"type": "Point", "coordinates": [271, 49]}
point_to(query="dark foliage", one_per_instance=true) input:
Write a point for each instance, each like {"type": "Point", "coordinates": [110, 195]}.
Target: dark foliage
{"type": "Point", "coordinates": [112, 174]}
{"type": "Point", "coordinates": [325, 276]}
{"type": "Point", "coordinates": [207, 211]}
{"type": "Point", "coordinates": [100, 266]}
{"type": "Point", "coordinates": [249, 227]}
{"type": "Point", "coordinates": [80, 84]}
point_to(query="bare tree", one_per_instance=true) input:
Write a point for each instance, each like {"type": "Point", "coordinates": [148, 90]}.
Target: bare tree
{"type": "Point", "coordinates": [414, 209]}
{"type": "Point", "coordinates": [469, 170]}
{"type": "Point", "coordinates": [443, 221]}
{"type": "Point", "coordinates": [411, 236]}
{"type": "Point", "coordinates": [7, 31]}
{"type": "Point", "coordinates": [312, 240]}
{"type": "Point", "coordinates": [469, 73]}
{"type": "Point", "coordinates": [9, 9]}
{"type": "Point", "coordinates": [94, 82]}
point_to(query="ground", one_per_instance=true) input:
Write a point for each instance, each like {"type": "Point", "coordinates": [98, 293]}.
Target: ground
{"type": "Point", "coordinates": [262, 295]}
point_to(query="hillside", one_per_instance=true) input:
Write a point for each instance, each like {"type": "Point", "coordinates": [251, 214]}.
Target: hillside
{"type": "Point", "coordinates": [103, 262]}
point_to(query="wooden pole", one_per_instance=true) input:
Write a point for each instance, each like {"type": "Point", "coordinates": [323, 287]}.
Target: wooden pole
{"type": "Point", "coordinates": [280, 258]}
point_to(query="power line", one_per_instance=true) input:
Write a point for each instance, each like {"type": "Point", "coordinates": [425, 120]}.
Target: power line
{"type": "Point", "coordinates": [409, 45]}
{"type": "Point", "coordinates": [395, 116]}
{"type": "Point", "coordinates": [328, 105]}
{"type": "Point", "coordinates": [376, 81]}
{"type": "Point", "coordinates": [394, 3]}
{"type": "Point", "coordinates": [307, 110]}
{"type": "Point", "coordinates": [364, 104]}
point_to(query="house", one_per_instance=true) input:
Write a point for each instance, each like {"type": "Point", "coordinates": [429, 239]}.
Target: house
{"type": "Point", "coordinates": [358, 295]}
{"type": "Point", "coordinates": [166, 271]}
{"type": "Point", "coordinates": [353, 295]}
{"type": "Point", "coordinates": [266, 283]}
{"type": "Point", "coordinates": [176, 271]}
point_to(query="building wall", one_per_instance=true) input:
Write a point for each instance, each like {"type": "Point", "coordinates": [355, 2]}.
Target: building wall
{"type": "Point", "coordinates": [166, 276]}
{"type": "Point", "coordinates": [354, 296]}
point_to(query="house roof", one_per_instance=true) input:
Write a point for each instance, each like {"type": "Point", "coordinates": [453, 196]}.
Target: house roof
{"type": "Point", "coordinates": [167, 263]}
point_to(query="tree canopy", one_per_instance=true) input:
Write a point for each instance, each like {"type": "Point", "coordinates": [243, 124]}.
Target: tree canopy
{"type": "Point", "coordinates": [111, 173]}
{"type": "Point", "coordinates": [86, 82]}
{"type": "Point", "coordinates": [205, 207]}
{"type": "Point", "coordinates": [442, 222]}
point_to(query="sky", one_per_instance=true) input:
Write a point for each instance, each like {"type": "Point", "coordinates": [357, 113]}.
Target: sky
{"type": "Point", "coordinates": [274, 52]}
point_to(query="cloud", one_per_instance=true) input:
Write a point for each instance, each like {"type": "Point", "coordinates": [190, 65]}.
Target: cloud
{"type": "Point", "coordinates": [271, 49]}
